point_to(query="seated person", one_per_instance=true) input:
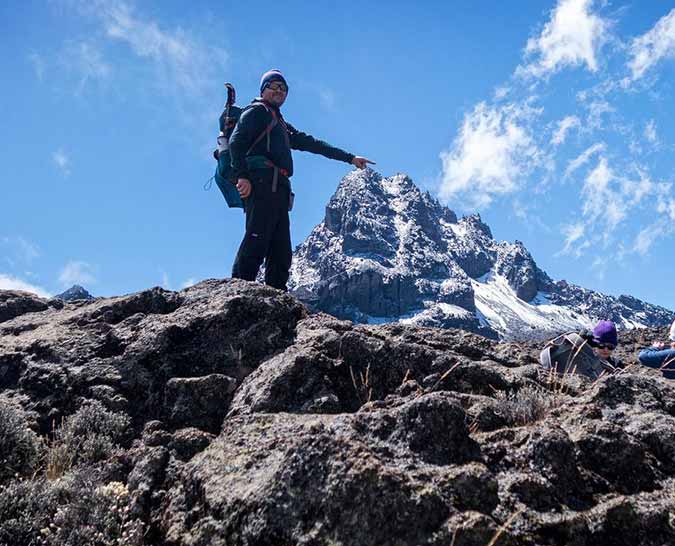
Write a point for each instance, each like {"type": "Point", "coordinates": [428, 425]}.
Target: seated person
{"type": "Point", "coordinates": [661, 356]}
{"type": "Point", "coordinates": [584, 353]}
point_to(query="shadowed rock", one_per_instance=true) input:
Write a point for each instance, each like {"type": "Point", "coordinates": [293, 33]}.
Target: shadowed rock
{"type": "Point", "coordinates": [254, 422]}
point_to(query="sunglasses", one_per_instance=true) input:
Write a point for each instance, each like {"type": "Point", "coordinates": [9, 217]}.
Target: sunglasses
{"type": "Point", "coordinates": [607, 346]}
{"type": "Point", "coordinates": [277, 87]}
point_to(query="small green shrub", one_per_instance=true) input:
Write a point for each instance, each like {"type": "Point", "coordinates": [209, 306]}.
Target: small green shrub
{"type": "Point", "coordinates": [20, 448]}
{"type": "Point", "coordinates": [76, 510]}
{"type": "Point", "coordinates": [90, 435]}
{"type": "Point", "coordinates": [26, 506]}
{"type": "Point", "coordinates": [100, 517]}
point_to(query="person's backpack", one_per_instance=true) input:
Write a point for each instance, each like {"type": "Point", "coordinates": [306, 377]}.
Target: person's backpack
{"type": "Point", "coordinates": [571, 353]}
{"type": "Point", "coordinates": [224, 175]}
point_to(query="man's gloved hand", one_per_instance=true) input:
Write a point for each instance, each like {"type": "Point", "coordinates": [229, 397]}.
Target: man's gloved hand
{"type": "Point", "coordinates": [244, 187]}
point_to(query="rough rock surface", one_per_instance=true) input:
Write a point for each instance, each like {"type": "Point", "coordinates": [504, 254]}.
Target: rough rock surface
{"type": "Point", "coordinates": [387, 252]}
{"type": "Point", "coordinates": [254, 422]}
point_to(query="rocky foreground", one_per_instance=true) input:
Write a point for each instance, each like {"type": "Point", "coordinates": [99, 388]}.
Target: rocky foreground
{"type": "Point", "coordinates": [226, 414]}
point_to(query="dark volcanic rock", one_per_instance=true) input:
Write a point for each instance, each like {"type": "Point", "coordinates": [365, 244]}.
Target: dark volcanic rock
{"type": "Point", "coordinates": [518, 267]}
{"type": "Point", "coordinates": [256, 423]}
{"type": "Point", "coordinates": [124, 351]}
{"type": "Point", "coordinates": [272, 479]}
{"type": "Point", "coordinates": [200, 401]}
{"type": "Point", "coordinates": [14, 303]}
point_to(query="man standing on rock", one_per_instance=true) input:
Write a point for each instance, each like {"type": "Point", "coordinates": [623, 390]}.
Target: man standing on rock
{"type": "Point", "coordinates": [260, 147]}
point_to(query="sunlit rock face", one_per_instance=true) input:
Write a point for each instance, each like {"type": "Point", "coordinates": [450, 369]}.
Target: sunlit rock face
{"type": "Point", "coordinates": [227, 414]}
{"type": "Point", "coordinates": [387, 252]}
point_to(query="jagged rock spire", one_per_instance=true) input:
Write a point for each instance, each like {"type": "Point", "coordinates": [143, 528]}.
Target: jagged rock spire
{"type": "Point", "coordinates": [387, 251]}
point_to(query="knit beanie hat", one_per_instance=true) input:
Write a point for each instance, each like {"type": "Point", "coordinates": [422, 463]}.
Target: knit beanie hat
{"type": "Point", "coordinates": [605, 332]}
{"type": "Point", "coordinates": [271, 76]}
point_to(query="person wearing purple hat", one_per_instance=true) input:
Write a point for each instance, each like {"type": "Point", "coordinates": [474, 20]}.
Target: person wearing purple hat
{"type": "Point", "coordinates": [260, 148]}
{"type": "Point", "coordinates": [587, 353]}
{"type": "Point", "coordinates": [604, 341]}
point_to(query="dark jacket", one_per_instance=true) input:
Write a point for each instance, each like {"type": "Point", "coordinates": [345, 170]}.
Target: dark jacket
{"type": "Point", "coordinates": [283, 138]}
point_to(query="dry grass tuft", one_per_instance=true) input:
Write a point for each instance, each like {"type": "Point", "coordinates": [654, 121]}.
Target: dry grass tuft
{"type": "Point", "coordinates": [362, 385]}
{"type": "Point", "coordinates": [526, 405]}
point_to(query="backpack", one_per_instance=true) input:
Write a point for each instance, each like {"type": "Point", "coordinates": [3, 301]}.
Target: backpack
{"type": "Point", "coordinates": [571, 353]}
{"type": "Point", "coordinates": [224, 175]}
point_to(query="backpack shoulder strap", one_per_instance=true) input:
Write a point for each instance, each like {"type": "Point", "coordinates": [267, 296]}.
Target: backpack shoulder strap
{"type": "Point", "coordinates": [266, 133]}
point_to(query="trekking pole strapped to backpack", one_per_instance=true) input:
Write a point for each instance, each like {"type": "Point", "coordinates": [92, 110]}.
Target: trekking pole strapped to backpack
{"type": "Point", "coordinates": [223, 175]}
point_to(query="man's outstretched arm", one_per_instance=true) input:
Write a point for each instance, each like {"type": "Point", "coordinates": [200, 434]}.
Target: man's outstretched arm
{"type": "Point", "coordinates": [307, 143]}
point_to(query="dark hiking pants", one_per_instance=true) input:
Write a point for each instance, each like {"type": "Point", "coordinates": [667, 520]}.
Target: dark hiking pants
{"type": "Point", "coordinates": [268, 233]}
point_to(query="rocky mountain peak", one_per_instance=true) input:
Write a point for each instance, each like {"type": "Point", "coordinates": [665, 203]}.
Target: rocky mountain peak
{"type": "Point", "coordinates": [388, 252]}
{"type": "Point", "coordinates": [75, 292]}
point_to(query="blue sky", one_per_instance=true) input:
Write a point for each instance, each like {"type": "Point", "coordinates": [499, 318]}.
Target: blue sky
{"type": "Point", "coordinates": [553, 120]}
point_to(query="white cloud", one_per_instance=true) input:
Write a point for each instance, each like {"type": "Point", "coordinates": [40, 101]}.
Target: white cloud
{"type": "Point", "coordinates": [501, 92]}
{"type": "Point", "coordinates": [665, 204]}
{"type": "Point", "coordinates": [181, 61]}
{"type": "Point", "coordinates": [489, 157]}
{"type": "Point", "coordinates": [636, 190]}
{"type": "Point", "coordinates": [499, 150]}
{"type": "Point", "coordinates": [572, 37]}
{"type": "Point", "coordinates": [564, 125]}
{"type": "Point", "coordinates": [86, 59]}
{"type": "Point", "coordinates": [648, 236]}
{"type": "Point", "coordinates": [650, 132]}
{"type": "Point", "coordinates": [602, 203]}
{"type": "Point", "coordinates": [166, 283]}
{"type": "Point", "coordinates": [573, 234]}
{"type": "Point", "coordinates": [77, 272]}
{"type": "Point", "coordinates": [610, 198]}
{"type": "Point", "coordinates": [583, 158]}
{"type": "Point", "coordinates": [650, 48]}
{"type": "Point", "coordinates": [62, 161]}
{"type": "Point", "coordinates": [595, 111]}
{"type": "Point", "coordinates": [190, 282]}
{"type": "Point", "coordinates": [8, 282]}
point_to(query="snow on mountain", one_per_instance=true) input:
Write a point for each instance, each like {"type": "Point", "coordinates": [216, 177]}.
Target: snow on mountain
{"type": "Point", "coordinates": [499, 305]}
{"type": "Point", "coordinates": [386, 251]}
